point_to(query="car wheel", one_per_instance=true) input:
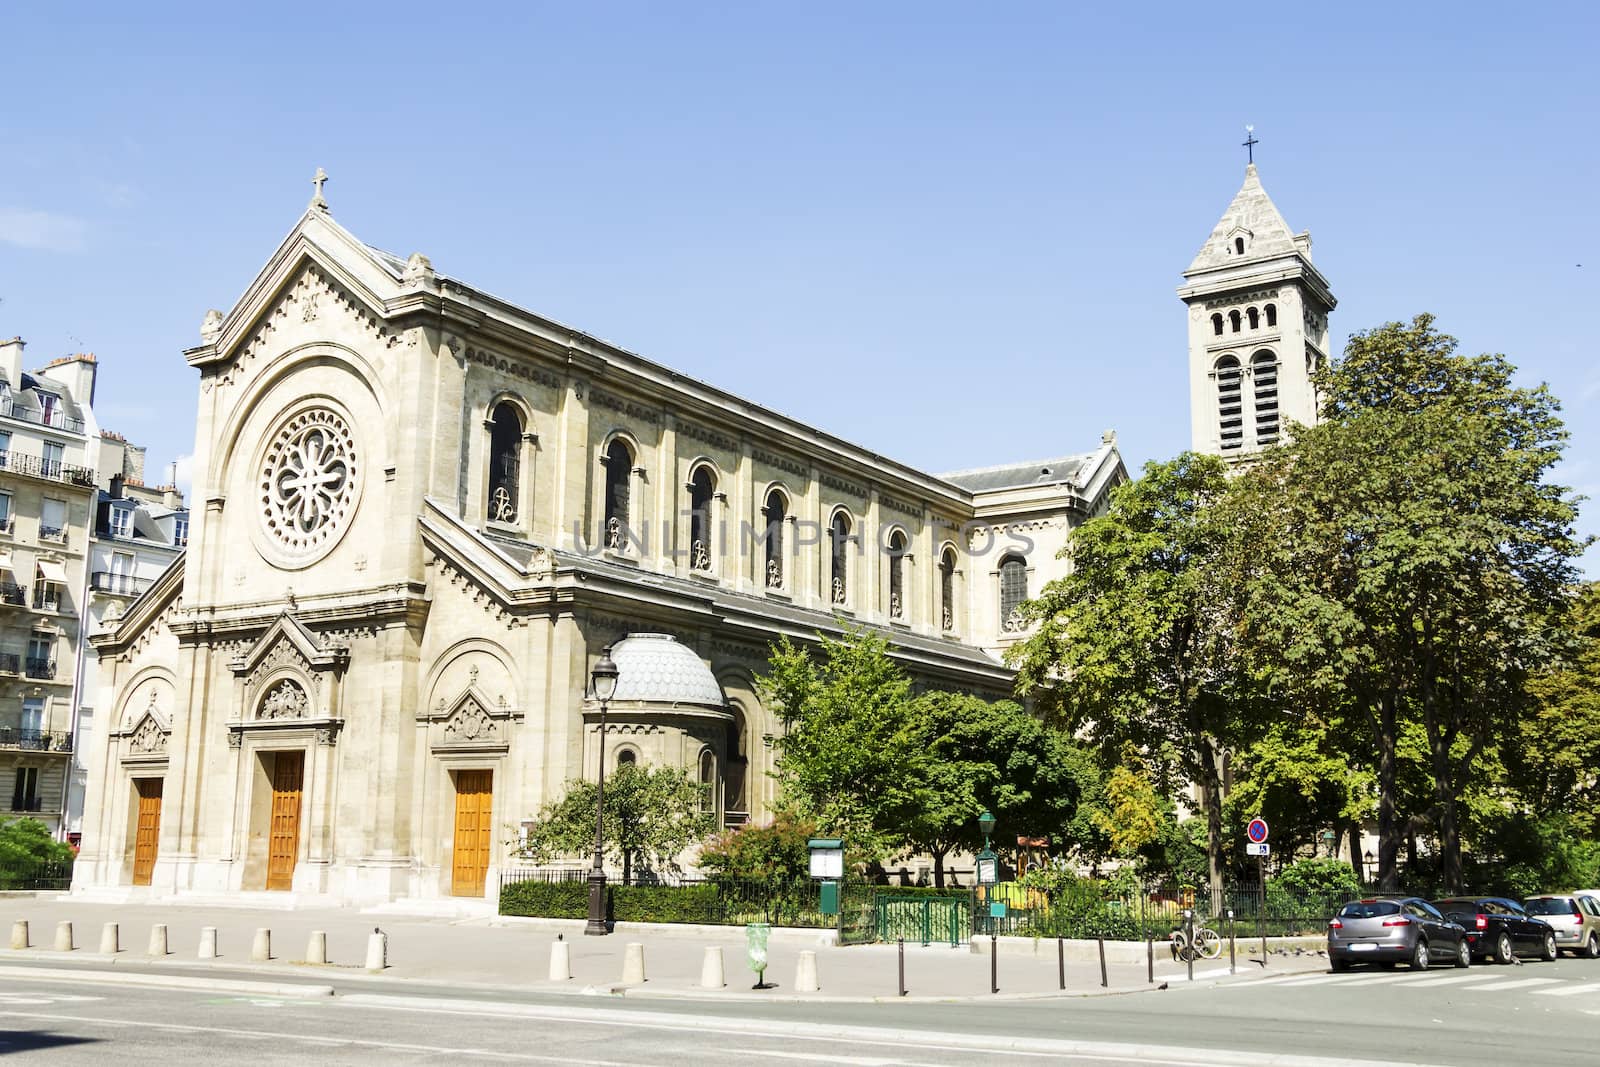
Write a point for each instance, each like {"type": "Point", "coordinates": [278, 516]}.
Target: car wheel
{"type": "Point", "coordinates": [1550, 952]}
{"type": "Point", "coordinates": [1591, 947]}
{"type": "Point", "coordinates": [1419, 956]}
{"type": "Point", "coordinates": [1463, 953]}
{"type": "Point", "coordinates": [1502, 948]}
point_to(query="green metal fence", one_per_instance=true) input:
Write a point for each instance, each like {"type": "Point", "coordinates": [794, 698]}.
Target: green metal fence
{"type": "Point", "coordinates": [924, 918]}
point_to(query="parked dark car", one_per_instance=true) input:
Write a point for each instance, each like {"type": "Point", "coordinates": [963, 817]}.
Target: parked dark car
{"type": "Point", "coordinates": [1389, 930]}
{"type": "Point", "coordinates": [1499, 929]}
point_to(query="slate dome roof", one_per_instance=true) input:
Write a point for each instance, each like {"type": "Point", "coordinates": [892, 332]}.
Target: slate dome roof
{"type": "Point", "coordinates": [656, 669]}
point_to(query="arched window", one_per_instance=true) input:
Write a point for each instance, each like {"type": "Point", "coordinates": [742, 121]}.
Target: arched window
{"type": "Point", "coordinates": [897, 575]}
{"type": "Point", "coordinates": [1272, 314]}
{"type": "Point", "coordinates": [1013, 591]}
{"type": "Point", "coordinates": [627, 757]}
{"type": "Point", "coordinates": [1233, 320]}
{"type": "Point", "coordinates": [708, 779]}
{"type": "Point", "coordinates": [947, 589]}
{"type": "Point", "coordinates": [1216, 324]}
{"type": "Point", "coordinates": [505, 462]}
{"type": "Point", "coordinates": [1264, 372]}
{"type": "Point", "coordinates": [1238, 245]}
{"type": "Point", "coordinates": [1230, 418]}
{"type": "Point", "coordinates": [838, 572]}
{"type": "Point", "coordinates": [776, 511]}
{"type": "Point", "coordinates": [735, 764]}
{"type": "Point", "coordinates": [701, 486]}
{"type": "Point", "coordinates": [1255, 318]}
{"type": "Point", "coordinates": [619, 470]}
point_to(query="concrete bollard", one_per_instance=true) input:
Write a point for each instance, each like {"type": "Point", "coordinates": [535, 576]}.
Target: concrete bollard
{"type": "Point", "coordinates": [711, 969]}
{"type": "Point", "coordinates": [317, 948]}
{"type": "Point", "coordinates": [208, 942]}
{"type": "Point", "coordinates": [19, 934]}
{"type": "Point", "coordinates": [377, 950]}
{"type": "Point", "coordinates": [633, 964]}
{"type": "Point", "coordinates": [110, 940]}
{"type": "Point", "coordinates": [158, 940]}
{"type": "Point", "coordinates": [261, 947]}
{"type": "Point", "coordinates": [805, 973]}
{"type": "Point", "coordinates": [560, 961]}
{"type": "Point", "coordinates": [64, 936]}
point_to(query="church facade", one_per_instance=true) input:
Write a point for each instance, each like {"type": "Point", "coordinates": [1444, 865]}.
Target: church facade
{"type": "Point", "coordinates": [421, 513]}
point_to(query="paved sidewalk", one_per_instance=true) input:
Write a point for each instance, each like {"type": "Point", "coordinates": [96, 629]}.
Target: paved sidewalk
{"type": "Point", "coordinates": [515, 954]}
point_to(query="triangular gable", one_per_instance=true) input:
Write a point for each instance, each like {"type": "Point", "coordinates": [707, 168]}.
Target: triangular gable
{"type": "Point", "coordinates": [144, 615]}
{"type": "Point", "coordinates": [315, 241]}
{"type": "Point", "coordinates": [301, 643]}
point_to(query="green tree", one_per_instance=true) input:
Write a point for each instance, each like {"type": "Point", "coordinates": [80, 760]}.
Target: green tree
{"type": "Point", "coordinates": [1134, 816]}
{"type": "Point", "coordinates": [26, 850]}
{"type": "Point", "coordinates": [775, 851]}
{"type": "Point", "coordinates": [993, 756]}
{"type": "Point", "coordinates": [1137, 646]}
{"type": "Point", "coordinates": [652, 815]}
{"type": "Point", "coordinates": [1558, 752]}
{"type": "Point", "coordinates": [852, 757]}
{"type": "Point", "coordinates": [1408, 554]}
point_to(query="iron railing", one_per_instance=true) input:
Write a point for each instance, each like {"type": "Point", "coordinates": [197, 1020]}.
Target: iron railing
{"type": "Point", "coordinates": [10, 663]}
{"type": "Point", "coordinates": [39, 668]}
{"type": "Point", "coordinates": [36, 740]}
{"type": "Point", "coordinates": [118, 584]}
{"type": "Point", "coordinates": [26, 875]}
{"type": "Point", "coordinates": [12, 593]}
{"type": "Point", "coordinates": [51, 470]}
{"type": "Point", "coordinates": [55, 418]}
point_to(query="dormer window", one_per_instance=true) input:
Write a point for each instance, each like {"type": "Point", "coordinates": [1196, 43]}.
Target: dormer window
{"type": "Point", "coordinates": [121, 522]}
{"type": "Point", "coordinates": [180, 532]}
{"type": "Point", "coordinates": [1238, 245]}
{"type": "Point", "coordinates": [49, 409]}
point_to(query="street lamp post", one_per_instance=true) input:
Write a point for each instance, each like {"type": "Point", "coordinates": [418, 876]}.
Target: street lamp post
{"type": "Point", "coordinates": [603, 679]}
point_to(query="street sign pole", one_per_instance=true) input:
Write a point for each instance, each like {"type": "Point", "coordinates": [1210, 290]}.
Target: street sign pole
{"type": "Point", "coordinates": [1261, 904]}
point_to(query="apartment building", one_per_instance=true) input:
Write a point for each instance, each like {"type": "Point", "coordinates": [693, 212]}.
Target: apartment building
{"type": "Point", "coordinates": [47, 502]}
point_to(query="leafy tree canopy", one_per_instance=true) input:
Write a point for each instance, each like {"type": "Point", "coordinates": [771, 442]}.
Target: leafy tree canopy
{"type": "Point", "coordinates": [652, 815]}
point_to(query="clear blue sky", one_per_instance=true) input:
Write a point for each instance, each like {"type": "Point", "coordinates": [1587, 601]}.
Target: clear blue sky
{"type": "Point", "coordinates": [950, 232]}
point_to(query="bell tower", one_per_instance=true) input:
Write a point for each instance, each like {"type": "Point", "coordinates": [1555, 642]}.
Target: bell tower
{"type": "Point", "coordinates": [1258, 327]}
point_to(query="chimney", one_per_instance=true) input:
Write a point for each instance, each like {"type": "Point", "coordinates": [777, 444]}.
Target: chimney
{"type": "Point", "coordinates": [77, 373]}
{"type": "Point", "coordinates": [11, 361]}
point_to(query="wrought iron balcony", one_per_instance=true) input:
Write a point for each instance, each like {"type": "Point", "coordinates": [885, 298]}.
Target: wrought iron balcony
{"type": "Point", "coordinates": [48, 596]}
{"type": "Point", "coordinates": [50, 470]}
{"type": "Point", "coordinates": [13, 594]}
{"type": "Point", "coordinates": [55, 417]}
{"type": "Point", "coordinates": [10, 663]}
{"type": "Point", "coordinates": [118, 584]}
{"type": "Point", "coordinates": [39, 668]}
{"type": "Point", "coordinates": [36, 740]}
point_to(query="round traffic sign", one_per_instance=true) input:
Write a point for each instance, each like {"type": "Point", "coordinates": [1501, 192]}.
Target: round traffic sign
{"type": "Point", "coordinates": [1257, 831]}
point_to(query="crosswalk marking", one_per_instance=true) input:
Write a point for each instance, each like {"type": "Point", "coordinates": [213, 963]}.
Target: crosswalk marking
{"type": "Point", "coordinates": [1449, 979]}
{"type": "Point", "coordinates": [1321, 979]}
{"type": "Point", "coordinates": [1568, 990]}
{"type": "Point", "coordinates": [1516, 983]}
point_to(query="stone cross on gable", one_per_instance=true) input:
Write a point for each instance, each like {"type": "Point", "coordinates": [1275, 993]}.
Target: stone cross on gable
{"type": "Point", "coordinates": [319, 180]}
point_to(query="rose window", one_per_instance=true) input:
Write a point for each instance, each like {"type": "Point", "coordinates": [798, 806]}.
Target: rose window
{"type": "Point", "coordinates": [308, 481]}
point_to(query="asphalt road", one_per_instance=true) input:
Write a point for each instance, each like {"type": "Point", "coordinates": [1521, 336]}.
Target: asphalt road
{"type": "Point", "coordinates": [1536, 1014]}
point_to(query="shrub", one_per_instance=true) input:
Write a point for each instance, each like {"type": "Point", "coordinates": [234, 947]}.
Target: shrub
{"type": "Point", "coordinates": [775, 851]}
{"type": "Point", "coordinates": [546, 900]}
{"type": "Point", "coordinates": [665, 904]}
{"type": "Point", "coordinates": [29, 855]}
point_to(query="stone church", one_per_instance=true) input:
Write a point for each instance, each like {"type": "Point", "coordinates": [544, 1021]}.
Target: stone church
{"type": "Point", "coordinates": [420, 513]}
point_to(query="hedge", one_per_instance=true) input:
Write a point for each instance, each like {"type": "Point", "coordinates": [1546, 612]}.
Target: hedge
{"type": "Point", "coordinates": [546, 900]}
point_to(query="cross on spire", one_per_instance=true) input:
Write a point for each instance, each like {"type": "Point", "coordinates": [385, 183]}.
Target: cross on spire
{"type": "Point", "coordinates": [1250, 143]}
{"type": "Point", "coordinates": [319, 180]}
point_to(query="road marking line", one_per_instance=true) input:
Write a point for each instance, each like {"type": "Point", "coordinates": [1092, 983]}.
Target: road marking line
{"type": "Point", "coordinates": [313, 1039]}
{"type": "Point", "coordinates": [1320, 979]}
{"type": "Point", "coordinates": [1519, 983]}
{"type": "Point", "coordinates": [1449, 979]}
{"type": "Point", "coordinates": [1568, 990]}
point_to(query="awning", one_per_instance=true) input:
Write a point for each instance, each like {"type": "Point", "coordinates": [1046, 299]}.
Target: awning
{"type": "Point", "coordinates": [51, 571]}
{"type": "Point", "coordinates": [5, 561]}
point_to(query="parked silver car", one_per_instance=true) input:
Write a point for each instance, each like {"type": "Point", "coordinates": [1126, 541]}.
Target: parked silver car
{"type": "Point", "coordinates": [1390, 930]}
{"type": "Point", "coordinates": [1575, 919]}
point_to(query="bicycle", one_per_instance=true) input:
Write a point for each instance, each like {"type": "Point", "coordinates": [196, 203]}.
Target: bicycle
{"type": "Point", "coordinates": [1207, 944]}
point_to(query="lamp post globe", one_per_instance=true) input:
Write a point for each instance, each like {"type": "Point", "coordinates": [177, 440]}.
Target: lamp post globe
{"type": "Point", "coordinates": [603, 683]}
{"type": "Point", "coordinates": [986, 823]}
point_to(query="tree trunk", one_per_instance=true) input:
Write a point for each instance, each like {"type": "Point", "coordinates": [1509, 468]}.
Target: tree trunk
{"type": "Point", "coordinates": [1212, 789]}
{"type": "Point", "coordinates": [1389, 829]}
{"type": "Point", "coordinates": [938, 867]}
{"type": "Point", "coordinates": [627, 867]}
{"type": "Point", "coordinates": [1354, 830]}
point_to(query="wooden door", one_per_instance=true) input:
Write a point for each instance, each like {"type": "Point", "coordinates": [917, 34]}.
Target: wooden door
{"type": "Point", "coordinates": [474, 801]}
{"type": "Point", "coordinates": [147, 830]}
{"type": "Point", "coordinates": [288, 776]}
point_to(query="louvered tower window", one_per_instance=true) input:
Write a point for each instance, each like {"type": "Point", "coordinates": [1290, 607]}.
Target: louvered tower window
{"type": "Point", "coordinates": [1230, 400]}
{"type": "Point", "coordinates": [1264, 372]}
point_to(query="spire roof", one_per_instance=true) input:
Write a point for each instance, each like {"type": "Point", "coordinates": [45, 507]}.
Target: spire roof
{"type": "Point", "coordinates": [1252, 216]}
